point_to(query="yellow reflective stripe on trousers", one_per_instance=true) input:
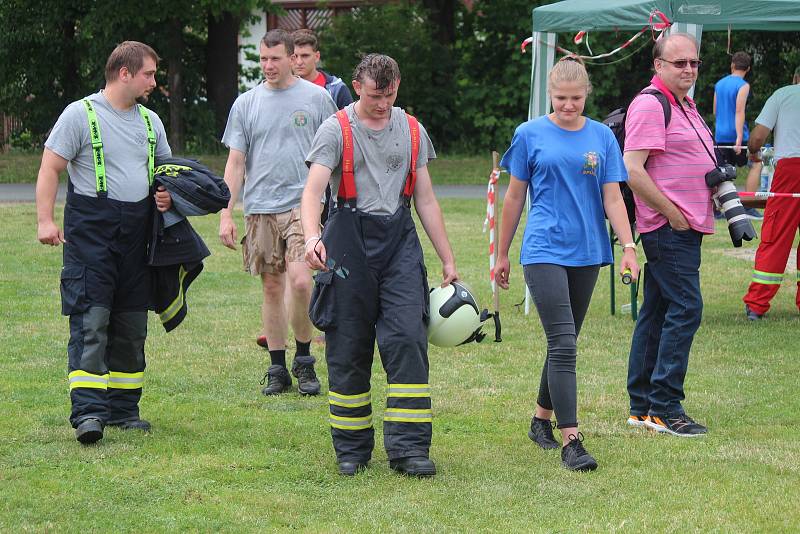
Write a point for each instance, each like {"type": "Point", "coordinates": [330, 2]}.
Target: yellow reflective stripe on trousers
{"type": "Point", "coordinates": [177, 304]}
{"type": "Point", "coordinates": [117, 380]}
{"type": "Point", "coordinates": [351, 423]}
{"type": "Point", "coordinates": [82, 379]}
{"type": "Point", "coordinates": [409, 390]}
{"type": "Point", "coordinates": [349, 401]}
{"type": "Point", "coordinates": [761, 277]}
{"type": "Point", "coordinates": [408, 415]}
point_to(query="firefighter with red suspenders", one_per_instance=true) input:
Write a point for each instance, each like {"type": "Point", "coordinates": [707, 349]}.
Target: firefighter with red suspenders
{"type": "Point", "coordinates": [372, 281]}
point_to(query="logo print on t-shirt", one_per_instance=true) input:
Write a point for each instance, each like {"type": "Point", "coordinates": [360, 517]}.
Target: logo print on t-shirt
{"type": "Point", "coordinates": [590, 163]}
{"type": "Point", "coordinates": [394, 161]}
{"type": "Point", "coordinates": [299, 118]}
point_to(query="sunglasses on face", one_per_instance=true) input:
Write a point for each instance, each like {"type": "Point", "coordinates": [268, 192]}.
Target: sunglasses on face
{"type": "Point", "coordinates": [681, 63]}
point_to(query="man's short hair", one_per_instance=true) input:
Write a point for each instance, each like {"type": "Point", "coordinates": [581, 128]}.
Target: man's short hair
{"type": "Point", "coordinates": [128, 54]}
{"type": "Point", "coordinates": [741, 61]}
{"type": "Point", "coordinates": [661, 44]}
{"type": "Point", "coordinates": [306, 37]}
{"type": "Point", "coordinates": [279, 36]}
{"type": "Point", "coordinates": [382, 69]}
{"type": "Point", "coordinates": [797, 71]}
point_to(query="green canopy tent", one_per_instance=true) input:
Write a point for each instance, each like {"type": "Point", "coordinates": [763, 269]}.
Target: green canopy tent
{"type": "Point", "coordinates": [687, 16]}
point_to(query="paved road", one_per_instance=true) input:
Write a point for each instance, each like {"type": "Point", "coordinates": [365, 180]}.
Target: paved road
{"type": "Point", "coordinates": [26, 192]}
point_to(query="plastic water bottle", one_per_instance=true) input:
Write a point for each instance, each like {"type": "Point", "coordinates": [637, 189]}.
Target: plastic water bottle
{"type": "Point", "coordinates": [767, 168]}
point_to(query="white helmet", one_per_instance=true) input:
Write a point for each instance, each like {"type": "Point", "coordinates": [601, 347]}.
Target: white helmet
{"type": "Point", "coordinates": [455, 317]}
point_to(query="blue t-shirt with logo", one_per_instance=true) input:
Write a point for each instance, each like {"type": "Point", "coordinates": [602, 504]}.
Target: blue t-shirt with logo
{"type": "Point", "coordinates": [565, 171]}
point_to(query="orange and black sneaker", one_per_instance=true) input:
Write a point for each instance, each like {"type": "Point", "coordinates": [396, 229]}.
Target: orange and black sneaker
{"type": "Point", "coordinates": [680, 425]}
{"type": "Point", "coordinates": [637, 420]}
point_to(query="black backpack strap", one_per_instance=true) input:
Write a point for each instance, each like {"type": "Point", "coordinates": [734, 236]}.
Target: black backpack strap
{"type": "Point", "coordinates": [665, 105]}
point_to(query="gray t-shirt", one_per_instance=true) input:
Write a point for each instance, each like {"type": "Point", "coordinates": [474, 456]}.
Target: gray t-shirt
{"type": "Point", "coordinates": [382, 158]}
{"type": "Point", "coordinates": [781, 113]}
{"type": "Point", "coordinates": [124, 137]}
{"type": "Point", "coordinates": [274, 128]}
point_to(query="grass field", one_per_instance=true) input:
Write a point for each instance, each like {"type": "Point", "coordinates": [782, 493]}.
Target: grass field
{"type": "Point", "coordinates": [222, 457]}
{"type": "Point", "coordinates": [21, 167]}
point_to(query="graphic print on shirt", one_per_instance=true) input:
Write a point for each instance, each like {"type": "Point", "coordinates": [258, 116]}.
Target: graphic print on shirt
{"type": "Point", "coordinates": [590, 163]}
{"type": "Point", "coordinates": [300, 118]}
{"type": "Point", "coordinates": [393, 162]}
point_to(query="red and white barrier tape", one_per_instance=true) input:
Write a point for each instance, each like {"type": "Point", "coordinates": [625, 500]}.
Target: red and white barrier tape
{"type": "Point", "coordinates": [579, 37]}
{"type": "Point", "coordinates": [767, 194]}
{"type": "Point", "coordinates": [491, 202]}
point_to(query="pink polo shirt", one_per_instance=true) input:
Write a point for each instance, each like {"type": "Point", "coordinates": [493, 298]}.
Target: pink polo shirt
{"type": "Point", "coordinates": [677, 163]}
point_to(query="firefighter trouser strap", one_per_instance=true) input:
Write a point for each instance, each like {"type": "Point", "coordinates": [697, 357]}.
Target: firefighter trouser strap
{"type": "Point", "coordinates": [97, 147]}
{"type": "Point", "coordinates": [347, 187]}
{"type": "Point", "coordinates": [151, 143]}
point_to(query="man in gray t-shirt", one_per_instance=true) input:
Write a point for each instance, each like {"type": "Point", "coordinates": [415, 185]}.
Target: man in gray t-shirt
{"type": "Point", "coordinates": [108, 145]}
{"type": "Point", "coordinates": [372, 282]}
{"type": "Point", "coordinates": [269, 132]}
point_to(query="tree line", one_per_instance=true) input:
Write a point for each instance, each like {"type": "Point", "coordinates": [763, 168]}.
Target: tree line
{"type": "Point", "coordinates": [462, 70]}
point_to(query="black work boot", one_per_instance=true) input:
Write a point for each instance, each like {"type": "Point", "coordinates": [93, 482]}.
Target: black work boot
{"type": "Point", "coordinates": [541, 433]}
{"type": "Point", "coordinates": [415, 466]}
{"type": "Point", "coordinates": [89, 431]}
{"type": "Point", "coordinates": [278, 380]}
{"type": "Point", "coordinates": [133, 424]}
{"type": "Point", "coordinates": [303, 371]}
{"type": "Point", "coordinates": [349, 469]}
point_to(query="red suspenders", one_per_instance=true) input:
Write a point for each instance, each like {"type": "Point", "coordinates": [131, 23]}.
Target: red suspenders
{"type": "Point", "coordinates": [347, 187]}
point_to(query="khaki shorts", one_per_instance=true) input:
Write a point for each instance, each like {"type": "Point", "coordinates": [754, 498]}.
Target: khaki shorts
{"type": "Point", "coordinates": [272, 239]}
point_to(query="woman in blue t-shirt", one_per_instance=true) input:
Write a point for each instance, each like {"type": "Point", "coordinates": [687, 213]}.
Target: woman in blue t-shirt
{"type": "Point", "coordinates": [570, 166]}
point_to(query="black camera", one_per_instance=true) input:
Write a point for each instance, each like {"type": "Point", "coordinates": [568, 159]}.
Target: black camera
{"type": "Point", "coordinates": [727, 200]}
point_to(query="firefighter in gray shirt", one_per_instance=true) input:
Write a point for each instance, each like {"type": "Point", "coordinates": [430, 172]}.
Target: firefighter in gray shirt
{"type": "Point", "coordinates": [269, 132]}
{"type": "Point", "coordinates": [108, 145]}
{"type": "Point", "coordinates": [372, 283]}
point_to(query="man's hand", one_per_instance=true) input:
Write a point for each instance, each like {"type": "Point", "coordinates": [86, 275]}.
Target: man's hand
{"type": "Point", "coordinates": [316, 255]}
{"type": "Point", "coordinates": [163, 199]}
{"type": "Point", "coordinates": [227, 231]}
{"type": "Point", "coordinates": [449, 273]}
{"type": "Point", "coordinates": [50, 234]}
{"type": "Point", "coordinates": [677, 220]}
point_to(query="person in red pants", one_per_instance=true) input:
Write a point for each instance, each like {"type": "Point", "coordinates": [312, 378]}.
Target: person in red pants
{"type": "Point", "coordinates": [781, 113]}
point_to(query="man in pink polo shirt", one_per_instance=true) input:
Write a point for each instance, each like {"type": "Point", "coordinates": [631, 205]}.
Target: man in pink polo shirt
{"type": "Point", "coordinates": [666, 169]}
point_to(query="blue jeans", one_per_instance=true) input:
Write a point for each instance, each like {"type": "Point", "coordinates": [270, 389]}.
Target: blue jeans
{"type": "Point", "coordinates": [669, 317]}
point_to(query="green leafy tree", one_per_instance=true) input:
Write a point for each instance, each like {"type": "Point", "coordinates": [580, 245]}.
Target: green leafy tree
{"type": "Point", "coordinates": [402, 31]}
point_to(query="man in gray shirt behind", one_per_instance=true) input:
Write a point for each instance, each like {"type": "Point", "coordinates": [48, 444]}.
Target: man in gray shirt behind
{"type": "Point", "coordinates": [269, 133]}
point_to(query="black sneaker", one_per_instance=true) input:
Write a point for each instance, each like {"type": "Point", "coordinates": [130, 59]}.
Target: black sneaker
{"type": "Point", "coordinates": [574, 457]}
{"type": "Point", "coordinates": [135, 424]}
{"type": "Point", "coordinates": [751, 315]}
{"type": "Point", "coordinates": [303, 371]}
{"type": "Point", "coordinates": [278, 380]}
{"type": "Point", "coordinates": [415, 466]}
{"type": "Point", "coordinates": [541, 433]}
{"type": "Point", "coordinates": [677, 424]}
{"type": "Point", "coordinates": [89, 431]}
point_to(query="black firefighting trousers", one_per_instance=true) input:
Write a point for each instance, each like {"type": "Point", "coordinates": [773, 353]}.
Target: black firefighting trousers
{"type": "Point", "coordinates": [376, 287]}
{"type": "Point", "coordinates": [105, 290]}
